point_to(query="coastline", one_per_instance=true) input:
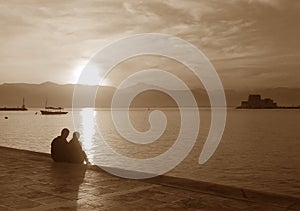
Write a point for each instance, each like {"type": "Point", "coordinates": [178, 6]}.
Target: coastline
{"type": "Point", "coordinates": [235, 194]}
{"type": "Point", "coordinates": [280, 107]}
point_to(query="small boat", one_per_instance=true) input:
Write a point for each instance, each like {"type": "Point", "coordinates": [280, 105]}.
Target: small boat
{"type": "Point", "coordinates": [50, 110]}
{"type": "Point", "coordinates": [23, 108]}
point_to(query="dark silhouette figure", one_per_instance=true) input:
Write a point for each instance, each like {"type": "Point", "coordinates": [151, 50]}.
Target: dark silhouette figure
{"type": "Point", "coordinates": [76, 154]}
{"type": "Point", "coordinates": [59, 147]}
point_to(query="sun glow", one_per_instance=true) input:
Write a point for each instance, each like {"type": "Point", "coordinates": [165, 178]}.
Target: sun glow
{"type": "Point", "coordinates": [93, 78]}
{"type": "Point", "coordinates": [77, 71]}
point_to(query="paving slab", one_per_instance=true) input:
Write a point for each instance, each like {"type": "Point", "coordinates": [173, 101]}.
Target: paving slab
{"type": "Point", "coordinates": [31, 181]}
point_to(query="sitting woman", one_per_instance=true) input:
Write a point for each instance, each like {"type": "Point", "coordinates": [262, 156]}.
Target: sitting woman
{"type": "Point", "coordinates": [76, 154]}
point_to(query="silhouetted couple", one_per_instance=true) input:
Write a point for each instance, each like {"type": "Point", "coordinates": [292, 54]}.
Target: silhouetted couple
{"type": "Point", "coordinates": [64, 151]}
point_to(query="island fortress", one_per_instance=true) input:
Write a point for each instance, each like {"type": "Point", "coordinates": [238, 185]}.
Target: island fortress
{"type": "Point", "coordinates": [255, 101]}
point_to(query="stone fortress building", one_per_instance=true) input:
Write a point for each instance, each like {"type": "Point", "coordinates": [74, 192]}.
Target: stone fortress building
{"type": "Point", "coordinates": [255, 101]}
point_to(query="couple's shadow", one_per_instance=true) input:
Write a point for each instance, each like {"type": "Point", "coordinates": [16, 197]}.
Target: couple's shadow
{"type": "Point", "coordinates": [66, 179]}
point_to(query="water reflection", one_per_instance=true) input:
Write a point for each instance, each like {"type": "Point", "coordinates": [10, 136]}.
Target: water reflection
{"type": "Point", "coordinates": [87, 130]}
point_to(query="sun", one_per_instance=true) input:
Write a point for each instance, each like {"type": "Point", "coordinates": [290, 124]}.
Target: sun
{"type": "Point", "coordinates": [89, 75]}
{"type": "Point", "coordinates": [76, 72]}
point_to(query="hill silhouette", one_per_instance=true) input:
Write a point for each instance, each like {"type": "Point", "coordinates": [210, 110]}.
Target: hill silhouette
{"type": "Point", "coordinates": [35, 95]}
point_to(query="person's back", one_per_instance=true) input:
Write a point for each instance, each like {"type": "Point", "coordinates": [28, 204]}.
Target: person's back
{"type": "Point", "coordinates": [76, 154]}
{"type": "Point", "coordinates": [59, 147]}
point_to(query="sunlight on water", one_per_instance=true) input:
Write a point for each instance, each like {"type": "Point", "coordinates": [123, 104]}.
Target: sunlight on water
{"type": "Point", "coordinates": [88, 130]}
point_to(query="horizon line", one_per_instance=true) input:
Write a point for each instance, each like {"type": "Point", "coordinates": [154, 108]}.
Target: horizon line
{"type": "Point", "coordinates": [65, 84]}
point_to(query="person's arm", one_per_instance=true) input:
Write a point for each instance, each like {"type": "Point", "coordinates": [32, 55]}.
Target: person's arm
{"type": "Point", "coordinates": [85, 158]}
{"type": "Point", "coordinates": [84, 155]}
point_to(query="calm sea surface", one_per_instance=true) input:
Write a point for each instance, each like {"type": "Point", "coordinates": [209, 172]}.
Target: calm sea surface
{"type": "Point", "coordinates": [260, 149]}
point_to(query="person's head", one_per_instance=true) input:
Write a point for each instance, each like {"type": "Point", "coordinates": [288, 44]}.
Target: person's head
{"type": "Point", "coordinates": [76, 135]}
{"type": "Point", "coordinates": [65, 132]}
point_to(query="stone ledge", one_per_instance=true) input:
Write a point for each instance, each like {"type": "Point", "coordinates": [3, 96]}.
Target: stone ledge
{"type": "Point", "coordinates": [197, 192]}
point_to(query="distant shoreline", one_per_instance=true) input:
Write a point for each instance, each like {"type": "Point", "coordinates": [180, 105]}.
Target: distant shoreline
{"type": "Point", "coordinates": [279, 107]}
{"type": "Point", "coordinates": [167, 107]}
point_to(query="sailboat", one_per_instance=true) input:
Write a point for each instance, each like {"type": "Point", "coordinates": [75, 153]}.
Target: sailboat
{"type": "Point", "coordinates": [23, 108]}
{"type": "Point", "coordinates": [50, 110]}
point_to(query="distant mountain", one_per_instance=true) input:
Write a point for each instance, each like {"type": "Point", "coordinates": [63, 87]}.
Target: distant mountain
{"type": "Point", "coordinates": [35, 95]}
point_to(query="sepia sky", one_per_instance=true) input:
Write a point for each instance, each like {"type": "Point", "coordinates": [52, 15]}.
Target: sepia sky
{"type": "Point", "coordinates": [251, 43]}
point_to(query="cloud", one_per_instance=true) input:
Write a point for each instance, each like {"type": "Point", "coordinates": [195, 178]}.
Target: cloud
{"type": "Point", "coordinates": [42, 41]}
{"type": "Point", "coordinates": [272, 3]}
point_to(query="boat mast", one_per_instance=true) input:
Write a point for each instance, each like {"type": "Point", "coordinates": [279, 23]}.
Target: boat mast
{"type": "Point", "coordinates": [23, 105]}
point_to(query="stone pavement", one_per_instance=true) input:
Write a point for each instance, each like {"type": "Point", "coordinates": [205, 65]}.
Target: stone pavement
{"type": "Point", "coordinates": [31, 181]}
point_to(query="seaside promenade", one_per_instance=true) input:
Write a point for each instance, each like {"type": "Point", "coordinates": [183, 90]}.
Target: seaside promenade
{"type": "Point", "coordinates": [31, 181]}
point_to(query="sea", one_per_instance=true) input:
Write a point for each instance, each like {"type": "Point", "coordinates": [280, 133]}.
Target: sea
{"type": "Point", "coordinates": [260, 149]}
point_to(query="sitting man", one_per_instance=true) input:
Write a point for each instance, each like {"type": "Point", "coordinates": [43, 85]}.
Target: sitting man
{"type": "Point", "coordinates": [59, 147]}
{"type": "Point", "coordinates": [76, 154]}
